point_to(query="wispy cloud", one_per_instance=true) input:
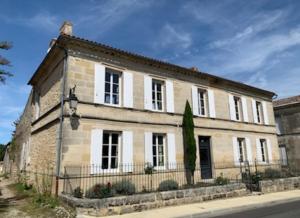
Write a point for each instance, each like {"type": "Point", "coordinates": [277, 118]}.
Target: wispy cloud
{"type": "Point", "coordinates": [172, 37]}
{"type": "Point", "coordinates": [42, 20]}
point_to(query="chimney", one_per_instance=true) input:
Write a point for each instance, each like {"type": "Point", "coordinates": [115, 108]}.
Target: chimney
{"type": "Point", "coordinates": [194, 69]}
{"type": "Point", "coordinates": [66, 28]}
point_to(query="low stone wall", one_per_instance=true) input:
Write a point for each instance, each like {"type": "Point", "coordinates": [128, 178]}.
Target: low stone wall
{"type": "Point", "coordinates": [139, 202]}
{"type": "Point", "coordinates": [276, 185]}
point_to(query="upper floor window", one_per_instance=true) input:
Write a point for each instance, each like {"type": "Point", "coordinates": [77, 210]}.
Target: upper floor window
{"type": "Point", "coordinates": [112, 87]}
{"type": "Point", "coordinates": [158, 149]}
{"type": "Point", "coordinates": [242, 150]}
{"type": "Point", "coordinates": [259, 111]}
{"type": "Point", "coordinates": [263, 148]}
{"type": "Point", "coordinates": [237, 107]}
{"type": "Point", "coordinates": [202, 96]}
{"type": "Point", "coordinates": [157, 95]}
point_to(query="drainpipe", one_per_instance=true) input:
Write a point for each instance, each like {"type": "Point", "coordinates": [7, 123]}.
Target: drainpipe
{"type": "Point", "coordinates": [61, 117]}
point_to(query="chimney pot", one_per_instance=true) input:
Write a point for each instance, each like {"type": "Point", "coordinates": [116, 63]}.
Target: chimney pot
{"type": "Point", "coordinates": [66, 28]}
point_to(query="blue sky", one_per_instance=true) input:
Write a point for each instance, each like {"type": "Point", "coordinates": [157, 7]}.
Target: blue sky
{"type": "Point", "coordinates": [255, 42]}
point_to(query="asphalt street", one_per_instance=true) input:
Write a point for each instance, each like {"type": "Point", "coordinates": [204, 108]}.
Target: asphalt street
{"type": "Point", "coordinates": [283, 210]}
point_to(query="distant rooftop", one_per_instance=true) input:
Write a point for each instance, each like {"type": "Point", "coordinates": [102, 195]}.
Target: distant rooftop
{"type": "Point", "coordinates": [286, 101]}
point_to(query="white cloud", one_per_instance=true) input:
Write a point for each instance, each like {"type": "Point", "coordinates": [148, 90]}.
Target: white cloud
{"type": "Point", "coordinates": [171, 37]}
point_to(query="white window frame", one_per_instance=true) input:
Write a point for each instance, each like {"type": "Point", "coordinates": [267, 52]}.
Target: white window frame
{"type": "Point", "coordinates": [237, 108]}
{"type": "Point", "coordinates": [264, 151]}
{"type": "Point", "coordinates": [154, 105]}
{"type": "Point", "coordinates": [164, 151]}
{"type": "Point", "coordinates": [241, 142]}
{"type": "Point", "coordinates": [109, 169]}
{"type": "Point", "coordinates": [204, 92]}
{"type": "Point", "coordinates": [112, 72]}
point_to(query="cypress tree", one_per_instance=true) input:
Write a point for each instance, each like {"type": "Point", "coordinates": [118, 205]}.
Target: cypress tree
{"type": "Point", "coordinates": [189, 143]}
{"type": "Point", "coordinates": [4, 62]}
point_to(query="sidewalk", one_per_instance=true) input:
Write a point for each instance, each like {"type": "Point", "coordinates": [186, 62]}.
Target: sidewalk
{"type": "Point", "coordinates": [215, 207]}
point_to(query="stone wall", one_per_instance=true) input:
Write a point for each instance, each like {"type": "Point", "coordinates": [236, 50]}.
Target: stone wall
{"type": "Point", "coordinates": [140, 202]}
{"type": "Point", "coordinates": [276, 185]}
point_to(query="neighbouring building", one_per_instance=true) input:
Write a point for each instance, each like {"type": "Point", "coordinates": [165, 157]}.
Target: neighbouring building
{"type": "Point", "coordinates": [287, 116]}
{"type": "Point", "coordinates": [130, 111]}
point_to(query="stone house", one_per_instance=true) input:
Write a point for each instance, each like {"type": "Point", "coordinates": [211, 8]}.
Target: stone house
{"type": "Point", "coordinates": [287, 117]}
{"type": "Point", "coordinates": [130, 110]}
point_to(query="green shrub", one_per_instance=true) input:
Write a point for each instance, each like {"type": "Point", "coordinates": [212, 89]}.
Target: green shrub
{"type": "Point", "coordinates": [45, 200]}
{"type": "Point", "coordinates": [124, 187]}
{"type": "Point", "coordinates": [271, 173]}
{"type": "Point", "coordinates": [149, 169]}
{"type": "Point", "coordinates": [220, 180]}
{"type": "Point", "coordinates": [77, 193]}
{"type": "Point", "coordinates": [99, 191]}
{"type": "Point", "coordinates": [168, 185]}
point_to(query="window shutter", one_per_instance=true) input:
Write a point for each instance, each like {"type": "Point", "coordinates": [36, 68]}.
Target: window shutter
{"type": "Point", "coordinates": [258, 151]}
{"type": "Point", "coordinates": [96, 150]}
{"type": "Point", "coordinates": [99, 84]}
{"type": "Point", "coordinates": [127, 151]}
{"type": "Point", "coordinates": [211, 103]}
{"type": "Point", "coordinates": [148, 148]}
{"type": "Point", "coordinates": [147, 92]}
{"type": "Point", "coordinates": [170, 96]}
{"type": "Point", "coordinates": [128, 89]}
{"type": "Point", "coordinates": [195, 100]}
{"type": "Point", "coordinates": [171, 150]}
{"type": "Point", "coordinates": [249, 150]}
{"type": "Point", "coordinates": [245, 109]}
{"type": "Point", "coordinates": [231, 107]}
{"type": "Point", "coordinates": [265, 112]}
{"type": "Point", "coordinates": [254, 111]}
{"type": "Point", "coordinates": [236, 156]}
{"type": "Point", "coordinates": [269, 148]}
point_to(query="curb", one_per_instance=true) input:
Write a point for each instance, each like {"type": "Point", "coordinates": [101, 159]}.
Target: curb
{"type": "Point", "coordinates": [226, 211]}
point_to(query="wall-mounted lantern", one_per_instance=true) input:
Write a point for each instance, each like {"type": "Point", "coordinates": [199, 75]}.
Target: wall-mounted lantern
{"type": "Point", "coordinates": [73, 101]}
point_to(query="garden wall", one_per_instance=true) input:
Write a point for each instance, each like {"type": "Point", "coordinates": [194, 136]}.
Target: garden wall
{"type": "Point", "coordinates": [275, 185]}
{"type": "Point", "coordinates": [140, 202]}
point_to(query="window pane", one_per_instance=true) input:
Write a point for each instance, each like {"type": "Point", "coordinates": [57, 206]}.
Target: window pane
{"type": "Point", "coordinates": [153, 95]}
{"type": "Point", "coordinates": [160, 150]}
{"type": "Point", "coordinates": [114, 138]}
{"type": "Point", "coordinates": [154, 161]}
{"type": "Point", "coordinates": [107, 77]}
{"type": "Point", "coordinates": [115, 89]}
{"type": "Point", "coordinates": [115, 99]}
{"type": "Point", "coordinates": [161, 160]}
{"type": "Point", "coordinates": [105, 138]}
{"type": "Point", "coordinates": [159, 96]}
{"type": "Point", "coordinates": [154, 150]}
{"type": "Point", "coordinates": [153, 86]}
{"type": "Point", "coordinates": [107, 98]}
{"type": "Point", "coordinates": [105, 163]}
{"type": "Point", "coordinates": [114, 163]}
{"type": "Point", "coordinates": [105, 151]}
{"type": "Point", "coordinates": [107, 87]}
{"type": "Point", "coordinates": [116, 78]}
{"type": "Point", "coordinates": [158, 87]}
{"type": "Point", "coordinates": [159, 105]}
{"type": "Point", "coordinates": [114, 150]}
{"type": "Point", "coordinates": [160, 140]}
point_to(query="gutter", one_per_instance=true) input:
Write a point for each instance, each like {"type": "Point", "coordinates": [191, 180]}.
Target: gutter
{"type": "Point", "coordinates": [61, 119]}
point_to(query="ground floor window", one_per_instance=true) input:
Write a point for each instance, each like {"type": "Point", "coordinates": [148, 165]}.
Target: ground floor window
{"type": "Point", "coordinates": [158, 149]}
{"type": "Point", "coordinates": [263, 148]}
{"type": "Point", "coordinates": [110, 150]}
{"type": "Point", "coordinates": [242, 150]}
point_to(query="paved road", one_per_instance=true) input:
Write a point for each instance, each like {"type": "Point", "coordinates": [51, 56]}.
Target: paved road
{"type": "Point", "coordinates": [283, 210]}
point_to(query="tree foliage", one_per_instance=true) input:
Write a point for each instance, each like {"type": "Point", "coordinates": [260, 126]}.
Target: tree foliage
{"type": "Point", "coordinates": [189, 140]}
{"type": "Point", "coordinates": [4, 62]}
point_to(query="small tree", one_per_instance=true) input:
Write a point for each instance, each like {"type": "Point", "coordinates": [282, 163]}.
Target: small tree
{"type": "Point", "coordinates": [4, 62]}
{"type": "Point", "coordinates": [189, 143]}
